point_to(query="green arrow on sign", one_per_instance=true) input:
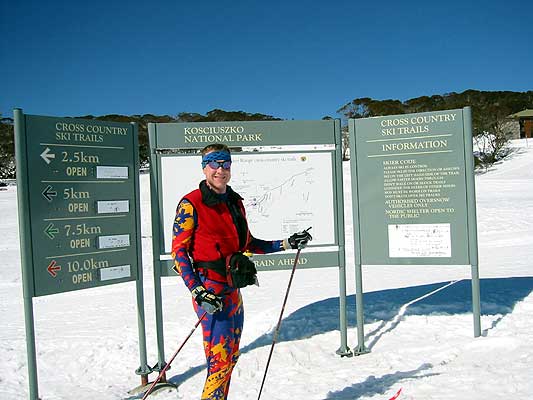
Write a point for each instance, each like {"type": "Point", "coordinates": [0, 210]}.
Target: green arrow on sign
{"type": "Point", "coordinates": [51, 231]}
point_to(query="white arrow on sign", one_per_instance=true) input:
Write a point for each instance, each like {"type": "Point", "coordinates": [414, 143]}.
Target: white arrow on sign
{"type": "Point", "coordinates": [47, 156]}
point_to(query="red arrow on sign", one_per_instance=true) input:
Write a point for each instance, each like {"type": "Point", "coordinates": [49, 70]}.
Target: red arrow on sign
{"type": "Point", "coordinates": [53, 267]}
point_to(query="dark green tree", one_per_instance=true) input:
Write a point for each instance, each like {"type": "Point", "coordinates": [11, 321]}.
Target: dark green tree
{"type": "Point", "coordinates": [489, 111]}
{"type": "Point", "coordinates": [218, 115]}
{"type": "Point", "coordinates": [7, 149]}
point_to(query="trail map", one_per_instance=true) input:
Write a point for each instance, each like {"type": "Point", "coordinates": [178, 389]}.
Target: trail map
{"type": "Point", "coordinates": [283, 193]}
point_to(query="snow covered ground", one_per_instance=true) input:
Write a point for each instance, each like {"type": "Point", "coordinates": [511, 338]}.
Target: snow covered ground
{"type": "Point", "coordinates": [87, 341]}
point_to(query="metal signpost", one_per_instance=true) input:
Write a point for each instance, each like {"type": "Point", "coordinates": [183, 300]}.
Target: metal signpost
{"type": "Point", "coordinates": [414, 195]}
{"type": "Point", "coordinates": [290, 175]}
{"type": "Point", "coordinates": [78, 199]}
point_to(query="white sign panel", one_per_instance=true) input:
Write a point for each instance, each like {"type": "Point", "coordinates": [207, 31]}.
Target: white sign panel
{"type": "Point", "coordinates": [106, 172]}
{"type": "Point", "coordinates": [283, 192]}
{"type": "Point", "coordinates": [112, 206]}
{"type": "Point", "coordinates": [420, 240]}
{"type": "Point", "coordinates": [108, 242]}
{"type": "Point", "coordinates": [120, 271]}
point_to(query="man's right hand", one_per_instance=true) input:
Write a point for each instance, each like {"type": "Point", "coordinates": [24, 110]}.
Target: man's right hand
{"type": "Point", "coordinates": [299, 240]}
{"type": "Point", "coordinates": [210, 302]}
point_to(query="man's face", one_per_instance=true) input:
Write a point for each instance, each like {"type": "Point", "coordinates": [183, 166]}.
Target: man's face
{"type": "Point", "coordinates": [218, 178]}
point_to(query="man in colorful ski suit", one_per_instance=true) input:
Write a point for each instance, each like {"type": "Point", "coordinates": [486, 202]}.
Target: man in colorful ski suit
{"type": "Point", "coordinates": [210, 233]}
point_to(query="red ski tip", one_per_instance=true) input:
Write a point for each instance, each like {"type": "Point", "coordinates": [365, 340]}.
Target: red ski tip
{"type": "Point", "coordinates": [396, 395]}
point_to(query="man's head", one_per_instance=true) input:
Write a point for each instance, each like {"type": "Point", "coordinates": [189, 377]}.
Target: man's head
{"type": "Point", "coordinates": [216, 164]}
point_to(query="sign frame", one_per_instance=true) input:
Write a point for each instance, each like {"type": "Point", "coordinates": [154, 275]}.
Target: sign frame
{"type": "Point", "coordinates": [451, 132]}
{"type": "Point", "coordinates": [39, 237]}
{"type": "Point", "coordinates": [248, 138]}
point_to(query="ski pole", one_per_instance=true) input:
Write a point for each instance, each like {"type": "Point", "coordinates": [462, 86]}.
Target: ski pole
{"type": "Point", "coordinates": [173, 357]}
{"type": "Point", "coordinates": [276, 332]}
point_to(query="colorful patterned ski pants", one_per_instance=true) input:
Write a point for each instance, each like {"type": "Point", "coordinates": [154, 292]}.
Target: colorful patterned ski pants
{"type": "Point", "coordinates": [221, 336]}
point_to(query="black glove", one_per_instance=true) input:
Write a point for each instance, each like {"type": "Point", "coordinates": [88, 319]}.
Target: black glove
{"type": "Point", "coordinates": [242, 263]}
{"type": "Point", "coordinates": [210, 302]}
{"type": "Point", "coordinates": [242, 271]}
{"type": "Point", "coordinates": [299, 240]}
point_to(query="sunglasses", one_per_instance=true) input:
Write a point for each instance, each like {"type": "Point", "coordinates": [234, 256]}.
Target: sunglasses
{"type": "Point", "coordinates": [218, 164]}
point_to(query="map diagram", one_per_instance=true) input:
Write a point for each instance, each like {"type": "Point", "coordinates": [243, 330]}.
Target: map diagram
{"type": "Point", "coordinates": [283, 193]}
{"type": "Point", "coordinates": [286, 193]}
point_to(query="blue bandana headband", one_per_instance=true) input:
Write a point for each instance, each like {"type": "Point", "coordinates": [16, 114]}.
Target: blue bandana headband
{"type": "Point", "coordinates": [215, 156]}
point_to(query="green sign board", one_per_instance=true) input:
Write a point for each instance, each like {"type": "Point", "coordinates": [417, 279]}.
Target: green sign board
{"type": "Point", "coordinates": [411, 188]}
{"type": "Point", "coordinates": [241, 134]}
{"type": "Point", "coordinates": [78, 194]}
{"type": "Point", "coordinates": [289, 173]}
{"type": "Point", "coordinates": [413, 195]}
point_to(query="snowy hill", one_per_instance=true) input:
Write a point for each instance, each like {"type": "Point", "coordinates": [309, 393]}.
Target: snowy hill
{"type": "Point", "coordinates": [419, 324]}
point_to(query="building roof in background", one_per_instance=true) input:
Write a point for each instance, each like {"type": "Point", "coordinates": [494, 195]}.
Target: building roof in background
{"type": "Point", "coordinates": [522, 114]}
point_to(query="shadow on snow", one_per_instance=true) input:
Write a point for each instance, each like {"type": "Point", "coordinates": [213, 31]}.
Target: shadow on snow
{"type": "Point", "coordinates": [498, 297]}
{"type": "Point", "coordinates": [372, 385]}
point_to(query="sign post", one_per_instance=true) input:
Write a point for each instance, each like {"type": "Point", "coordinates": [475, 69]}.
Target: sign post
{"type": "Point", "coordinates": [78, 201]}
{"type": "Point", "coordinates": [413, 194]}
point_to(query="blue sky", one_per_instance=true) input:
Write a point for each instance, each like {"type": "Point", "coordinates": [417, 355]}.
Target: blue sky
{"type": "Point", "coordinates": [289, 59]}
